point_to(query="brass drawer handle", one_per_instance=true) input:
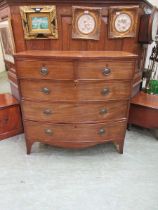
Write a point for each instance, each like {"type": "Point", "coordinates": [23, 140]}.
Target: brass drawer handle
{"type": "Point", "coordinates": [47, 112]}
{"type": "Point", "coordinates": [105, 91]}
{"type": "Point", "coordinates": [49, 132]}
{"type": "Point", "coordinates": [44, 71]}
{"type": "Point", "coordinates": [101, 131]}
{"type": "Point", "coordinates": [106, 71]}
{"type": "Point", "coordinates": [103, 111]}
{"type": "Point", "coordinates": [46, 90]}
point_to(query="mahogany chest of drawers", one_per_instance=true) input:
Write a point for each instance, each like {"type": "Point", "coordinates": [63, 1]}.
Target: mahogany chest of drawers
{"type": "Point", "coordinates": [75, 99]}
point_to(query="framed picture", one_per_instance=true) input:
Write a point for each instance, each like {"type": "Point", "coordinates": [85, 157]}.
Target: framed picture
{"type": "Point", "coordinates": [123, 21]}
{"type": "Point", "coordinates": [7, 40]}
{"type": "Point", "coordinates": [39, 22]}
{"type": "Point", "coordinates": [86, 22]}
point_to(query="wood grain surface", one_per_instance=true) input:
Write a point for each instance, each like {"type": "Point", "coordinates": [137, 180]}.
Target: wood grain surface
{"type": "Point", "coordinates": [74, 91]}
{"type": "Point", "coordinates": [74, 112]}
{"type": "Point", "coordinates": [75, 99]}
{"type": "Point", "coordinates": [74, 132]}
{"type": "Point", "coordinates": [10, 117]}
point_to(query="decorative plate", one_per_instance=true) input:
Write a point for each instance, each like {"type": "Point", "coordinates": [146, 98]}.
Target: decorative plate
{"type": "Point", "coordinates": [86, 23]}
{"type": "Point", "coordinates": [123, 21]}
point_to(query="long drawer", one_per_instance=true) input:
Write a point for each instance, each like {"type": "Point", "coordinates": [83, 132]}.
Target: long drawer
{"type": "Point", "coordinates": [45, 132]}
{"type": "Point", "coordinates": [73, 112]}
{"type": "Point", "coordinates": [42, 90]}
{"type": "Point", "coordinates": [69, 70]}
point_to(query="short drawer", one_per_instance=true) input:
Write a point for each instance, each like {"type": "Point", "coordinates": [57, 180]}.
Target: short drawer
{"type": "Point", "coordinates": [106, 70]}
{"type": "Point", "coordinates": [46, 132]}
{"type": "Point", "coordinates": [62, 70]}
{"type": "Point", "coordinates": [71, 91]}
{"type": "Point", "coordinates": [73, 112]}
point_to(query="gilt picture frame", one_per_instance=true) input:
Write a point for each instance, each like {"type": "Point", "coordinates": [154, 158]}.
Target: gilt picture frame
{"type": "Point", "coordinates": [123, 21]}
{"type": "Point", "coordinates": [39, 22]}
{"type": "Point", "coordinates": [7, 40]}
{"type": "Point", "coordinates": [86, 22]}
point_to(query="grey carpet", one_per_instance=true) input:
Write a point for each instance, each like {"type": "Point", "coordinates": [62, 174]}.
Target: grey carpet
{"type": "Point", "coordinates": [97, 178]}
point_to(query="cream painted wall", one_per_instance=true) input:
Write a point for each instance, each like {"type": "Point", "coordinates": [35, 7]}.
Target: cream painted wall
{"type": "Point", "coordinates": [2, 66]}
{"type": "Point", "coordinates": [155, 3]}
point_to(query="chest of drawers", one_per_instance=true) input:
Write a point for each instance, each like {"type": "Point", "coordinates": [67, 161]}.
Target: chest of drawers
{"type": "Point", "coordinates": [75, 99]}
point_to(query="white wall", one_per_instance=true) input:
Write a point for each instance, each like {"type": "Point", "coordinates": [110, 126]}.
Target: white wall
{"type": "Point", "coordinates": [155, 3]}
{"type": "Point", "coordinates": [2, 66]}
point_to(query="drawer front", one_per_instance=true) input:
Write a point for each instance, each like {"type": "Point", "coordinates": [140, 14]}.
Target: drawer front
{"type": "Point", "coordinates": [74, 132]}
{"type": "Point", "coordinates": [106, 70]}
{"type": "Point", "coordinates": [74, 113]}
{"type": "Point", "coordinates": [62, 70]}
{"type": "Point", "coordinates": [9, 119]}
{"type": "Point", "coordinates": [70, 91]}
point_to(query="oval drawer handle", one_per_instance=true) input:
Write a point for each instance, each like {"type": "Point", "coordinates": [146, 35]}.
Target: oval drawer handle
{"type": "Point", "coordinates": [101, 131]}
{"type": "Point", "coordinates": [47, 112]}
{"type": "Point", "coordinates": [106, 71]}
{"type": "Point", "coordinates": [105, 91]}
{"type": "Point", "coordinates": [46, 90]}
{"type": "Point", "coordinates": [44, 71]}
{"type": "Point", "coordinates": [49, 132]}
{"type": "Point", "coordinates": [103, 111]}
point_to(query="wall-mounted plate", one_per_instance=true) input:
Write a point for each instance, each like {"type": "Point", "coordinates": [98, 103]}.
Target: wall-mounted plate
{"type": "Point", "coordinates": [86, 23]}
{"type": "Point", "coordinates": [123, 21]}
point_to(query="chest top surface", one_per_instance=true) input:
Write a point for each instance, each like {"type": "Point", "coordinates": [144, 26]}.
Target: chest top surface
{"type": "Point", "coordinates": [36, 54]}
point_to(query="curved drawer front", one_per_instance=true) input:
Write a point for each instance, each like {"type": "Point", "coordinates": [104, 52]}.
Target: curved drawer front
{"type": "Point", "coordinates": [70, 91]}
{"type": "Point", "coordinates": [74, 113]}
{"type": "Point", "coordinates": [62, 70]}
{"type": "Point", "coordinates": [74, 133]}
{"type": "Point", "coordinates": [105, 70]}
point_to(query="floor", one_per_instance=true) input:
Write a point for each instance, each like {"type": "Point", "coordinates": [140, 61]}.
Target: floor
{"type": "Point", "coordinates": [97, 178]}
{"type": "Point", "coordinates": [4, 84]}
{"type": "Point", "coordinates": [93, 179]}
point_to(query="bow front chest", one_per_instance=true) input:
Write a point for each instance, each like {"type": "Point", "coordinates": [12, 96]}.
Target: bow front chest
{"type": "Point", "coordinates": [75, 99]}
